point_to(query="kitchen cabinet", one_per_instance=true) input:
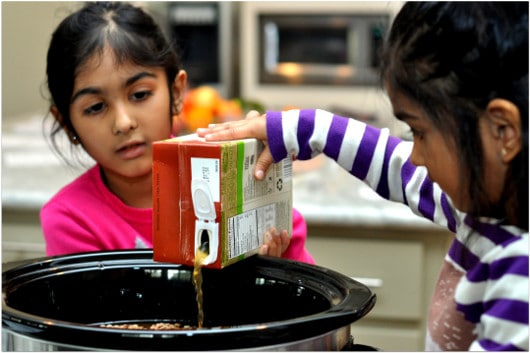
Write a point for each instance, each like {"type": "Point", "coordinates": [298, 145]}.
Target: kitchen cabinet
{"type": "Point", "coordinates": [21, 235]}
{"type": "Point", "coordinates": [399, 265]}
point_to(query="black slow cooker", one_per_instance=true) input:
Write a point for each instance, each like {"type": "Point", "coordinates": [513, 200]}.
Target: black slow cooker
{"type": "Point", "coordinates": [260, 303]}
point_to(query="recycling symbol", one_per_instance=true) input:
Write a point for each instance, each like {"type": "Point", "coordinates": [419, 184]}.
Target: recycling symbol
{"type": "Point", "coordinates": [279, 184]}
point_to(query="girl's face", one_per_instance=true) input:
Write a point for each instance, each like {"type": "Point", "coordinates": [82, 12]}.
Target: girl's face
{"type": "Point", "coordinates": [499, 129]}
{"type": "Point", "coordinates": [431, 149]}
{"type": "Point", "coordinates": [119, 111]}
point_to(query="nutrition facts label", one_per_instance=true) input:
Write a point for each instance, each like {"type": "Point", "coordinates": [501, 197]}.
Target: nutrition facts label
{"type": "Point", "coordinates": [245, 231]}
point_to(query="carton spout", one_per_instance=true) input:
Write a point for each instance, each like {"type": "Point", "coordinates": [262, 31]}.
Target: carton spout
{"type": "Point", "coordinates": [205, 242]}
{"type": "Point", "coordinates": [206, 229]}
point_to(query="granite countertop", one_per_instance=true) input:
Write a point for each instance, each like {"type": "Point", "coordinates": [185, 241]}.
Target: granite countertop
{"type": "Point", "coordinates": [322, 191]}
{"type": "Point", "coordinates": [326, 194]}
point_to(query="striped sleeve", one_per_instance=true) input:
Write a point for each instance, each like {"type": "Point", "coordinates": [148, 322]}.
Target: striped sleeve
{"type": "Point", "coordinates": [368, 153]}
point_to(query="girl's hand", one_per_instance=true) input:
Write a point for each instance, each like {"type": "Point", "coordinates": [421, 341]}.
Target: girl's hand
{"type": "Point", "coordinates": [275, 243]}
{"type": "Point", "coordinates": [253, 126]}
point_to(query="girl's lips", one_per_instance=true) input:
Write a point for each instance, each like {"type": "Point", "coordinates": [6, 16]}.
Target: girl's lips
{"type": "Point", "coordinates": [132, 151]}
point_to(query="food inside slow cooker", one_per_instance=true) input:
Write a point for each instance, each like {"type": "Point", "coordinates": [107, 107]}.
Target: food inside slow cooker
{"type": "Point", "coordinates": [158, 326]}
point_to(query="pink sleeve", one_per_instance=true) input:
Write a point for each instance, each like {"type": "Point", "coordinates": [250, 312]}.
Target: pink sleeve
{"type": "Point", "coordinates": [296, 249]}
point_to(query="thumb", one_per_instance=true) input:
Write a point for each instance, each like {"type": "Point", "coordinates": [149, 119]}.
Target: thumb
{"type": "Point", "coordinates": [263, 163]}
{"type": "Point", "coordinates": [252, 114]}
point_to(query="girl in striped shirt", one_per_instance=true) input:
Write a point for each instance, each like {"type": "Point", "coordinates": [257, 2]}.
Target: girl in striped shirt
{"type": "Point", "coordinates": [457, 74]}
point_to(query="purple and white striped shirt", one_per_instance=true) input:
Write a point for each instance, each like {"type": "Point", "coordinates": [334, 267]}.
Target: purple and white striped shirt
{"type": "Point", "coordinates": [481, 296]}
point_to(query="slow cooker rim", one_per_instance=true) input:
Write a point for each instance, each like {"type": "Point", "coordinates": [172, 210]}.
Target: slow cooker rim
{"type": "Point", "coordinates": [39, 327]}
{"type": "Point", "coordinates": [49, 266]}
{"type": "Point", "coordinates": [36, 321]}
{"type": "Point", "coordinates": [336, 314]}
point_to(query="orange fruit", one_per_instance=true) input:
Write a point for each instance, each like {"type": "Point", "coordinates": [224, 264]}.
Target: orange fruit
{"type": "Point", "coordinates": [228, 110]}
{"type": "Point", "coordinates": [203, 96]}
{"type": "Point", "coordinates": [198, 116]}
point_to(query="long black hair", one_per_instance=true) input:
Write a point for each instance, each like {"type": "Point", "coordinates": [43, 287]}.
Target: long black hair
{"type": "Point", "coordinates": [131, 33]}
{"type": "Point", "coordinates": [453, 58]}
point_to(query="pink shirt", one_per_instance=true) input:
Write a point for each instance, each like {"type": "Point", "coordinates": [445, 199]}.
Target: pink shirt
{"type": "Point", "coordinates": [86, 216]}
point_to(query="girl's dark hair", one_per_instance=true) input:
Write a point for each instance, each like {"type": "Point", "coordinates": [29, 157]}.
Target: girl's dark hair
{"type": "Point", "coordinates": [132, 34]}
{"type": "Point", "coordinates": [453, 58]}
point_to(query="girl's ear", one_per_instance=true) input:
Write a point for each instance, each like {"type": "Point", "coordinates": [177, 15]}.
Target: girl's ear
{"type": "Point", "coordinates": [179, 90]}
{"type": "Point", "coordinates": [72, 136]}
{"type": "Point", "coordinates": [505, 121]}
{"type": "Point", "coordinates": [56, 114]}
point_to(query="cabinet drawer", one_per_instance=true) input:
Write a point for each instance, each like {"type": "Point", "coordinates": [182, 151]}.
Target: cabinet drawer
{"type": "Point", "coordinates": [389, 339]}
{"type": "Point", "coordinates": [22, 239]}
{"type": "Point", "coordinates": [393, 270]}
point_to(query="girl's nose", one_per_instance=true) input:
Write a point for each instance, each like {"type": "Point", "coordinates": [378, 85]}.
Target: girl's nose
{"type": "Point", "coordinates": [123, 122]}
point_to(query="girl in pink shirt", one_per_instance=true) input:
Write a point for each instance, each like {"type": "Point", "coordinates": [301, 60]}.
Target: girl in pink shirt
{"type": "Point", "coordinates": [116, 85]}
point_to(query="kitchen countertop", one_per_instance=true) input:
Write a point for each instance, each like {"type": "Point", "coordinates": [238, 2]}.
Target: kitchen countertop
{"type": "Point", "coordinates": [31, 171]}
{"type": "Point", "coordinates": [328, 195]}
{"type": "Point", "coordinates": [322, 191]}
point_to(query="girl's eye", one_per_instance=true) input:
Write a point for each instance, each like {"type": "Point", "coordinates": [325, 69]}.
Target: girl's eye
{"type": "Point", "coordinates": [94, 109]}
{"type": "Point", "coordinates": [140, 95]}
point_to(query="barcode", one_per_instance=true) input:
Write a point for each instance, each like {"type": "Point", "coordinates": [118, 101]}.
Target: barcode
{"type": "Point", "coordinates": [246, 163]}
{"type": "Point", "coordinates": [287, 169]}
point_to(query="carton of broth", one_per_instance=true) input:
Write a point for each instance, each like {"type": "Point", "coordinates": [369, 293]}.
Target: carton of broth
{"type": "Point", "coordinates": [206, 197]}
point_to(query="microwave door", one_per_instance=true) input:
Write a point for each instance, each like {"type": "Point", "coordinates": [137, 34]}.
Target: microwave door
{"type": "Point", "coordinates": [327, 50]}
{"type": "Point", "coordinates": [304, 53]}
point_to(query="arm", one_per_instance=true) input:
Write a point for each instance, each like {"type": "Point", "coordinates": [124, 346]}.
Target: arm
{"type": "Point", "coordinates": [370, 154]}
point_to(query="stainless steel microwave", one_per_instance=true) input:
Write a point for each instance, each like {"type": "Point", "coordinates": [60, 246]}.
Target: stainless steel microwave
{"type": "Point", "coordinates": [322, 49]}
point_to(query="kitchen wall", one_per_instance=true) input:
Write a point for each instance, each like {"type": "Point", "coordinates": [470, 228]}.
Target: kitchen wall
{"type": "Point", "coordinates": [27, 27]}
{"type": "Point", "coordinates": [26, 31]}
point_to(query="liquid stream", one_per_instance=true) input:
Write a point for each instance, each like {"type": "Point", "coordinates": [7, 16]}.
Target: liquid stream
{"type": "Point", "coordinates": [200, 256]}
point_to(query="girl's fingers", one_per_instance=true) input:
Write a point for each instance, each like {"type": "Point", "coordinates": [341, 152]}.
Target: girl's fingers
{"type": "Point", "coordinates": [253, 114]}
{"type": "Point", "coordinates": [264, 250]}
{"type": "Point", "coordinates": [272, 243]}
{"type": "Point", "coordinates": [275, 243]}
{"type": "Point", "coordinates": [263, 163]}
{"type": "Point", "coordinates": [285, 240]}
{"type": "Point", "coordinates": [254, 126]}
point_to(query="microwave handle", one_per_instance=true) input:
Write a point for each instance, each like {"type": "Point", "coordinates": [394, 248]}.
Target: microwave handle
{"type": "Point", "coordinates": [270, 46]}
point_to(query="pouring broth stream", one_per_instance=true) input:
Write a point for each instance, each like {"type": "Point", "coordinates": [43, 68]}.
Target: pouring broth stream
{"type": "Point", "coordinates": [200, 256]}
